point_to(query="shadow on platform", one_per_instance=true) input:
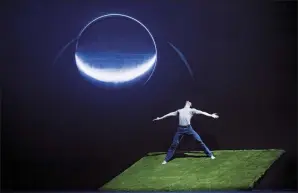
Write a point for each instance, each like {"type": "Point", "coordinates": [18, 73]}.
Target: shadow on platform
{"type": "Point", "coordinates": [282, 175]}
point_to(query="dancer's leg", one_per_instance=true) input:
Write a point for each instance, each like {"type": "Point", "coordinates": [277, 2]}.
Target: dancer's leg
{"type": "Point", "coordinates": [204, 146]}
{"type": "Point", "coordinates": [173, 146]}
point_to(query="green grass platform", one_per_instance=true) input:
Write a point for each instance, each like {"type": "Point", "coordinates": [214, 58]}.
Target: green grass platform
{"type": "Point", "coordinates": [231, 170]}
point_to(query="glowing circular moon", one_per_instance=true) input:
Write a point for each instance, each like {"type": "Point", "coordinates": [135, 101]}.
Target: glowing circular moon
{"type": "Point", "coordinates": [116, 75]}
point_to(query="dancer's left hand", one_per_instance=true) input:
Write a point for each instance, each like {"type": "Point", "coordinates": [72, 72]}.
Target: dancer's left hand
{"type": "Point", "coordinates": [215, 116]}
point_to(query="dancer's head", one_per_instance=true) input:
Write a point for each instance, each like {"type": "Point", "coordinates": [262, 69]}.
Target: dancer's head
{"type": "Point", "coordinates": [188, 104]}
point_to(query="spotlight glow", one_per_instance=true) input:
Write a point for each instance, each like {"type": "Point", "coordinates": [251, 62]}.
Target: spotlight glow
{"type": "Point", "coordinates": [114, 75]}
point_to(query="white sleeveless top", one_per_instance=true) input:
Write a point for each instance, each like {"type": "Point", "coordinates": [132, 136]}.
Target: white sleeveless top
{"type": "Point", "coordinates": [185, 115]}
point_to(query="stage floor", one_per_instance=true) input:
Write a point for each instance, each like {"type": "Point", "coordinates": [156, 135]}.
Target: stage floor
{"type": "Point", "coordinates": [193, 171]}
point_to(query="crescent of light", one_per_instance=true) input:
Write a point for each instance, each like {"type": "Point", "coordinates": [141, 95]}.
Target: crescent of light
{"type": "Point", "coordinates": [113, 75]}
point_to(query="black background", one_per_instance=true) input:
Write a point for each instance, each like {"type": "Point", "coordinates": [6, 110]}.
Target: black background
{"type": "Point", "coordinates": [61, 132]}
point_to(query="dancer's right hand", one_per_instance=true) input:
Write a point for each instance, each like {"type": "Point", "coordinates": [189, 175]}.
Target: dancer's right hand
{"type": "Point", "coordinates": [156, 119]}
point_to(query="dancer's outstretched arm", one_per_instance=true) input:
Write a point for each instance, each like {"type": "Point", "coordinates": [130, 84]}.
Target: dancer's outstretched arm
{"type": "Point", "coordinates": [167, 115]}
{"type": "Point", "coordinates": [213, 115]}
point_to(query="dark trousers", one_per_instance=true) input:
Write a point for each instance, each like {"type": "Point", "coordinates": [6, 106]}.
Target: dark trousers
{"type": "Point", "coordinates": [185, 130]}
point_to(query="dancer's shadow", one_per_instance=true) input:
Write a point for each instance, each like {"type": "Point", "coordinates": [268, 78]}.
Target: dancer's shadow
{"type": "Point", "coordinates": [182, 154]}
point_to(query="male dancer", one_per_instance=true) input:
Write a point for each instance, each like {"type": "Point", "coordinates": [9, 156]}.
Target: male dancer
{"type": "Point", "coordinates": [185, 114]}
